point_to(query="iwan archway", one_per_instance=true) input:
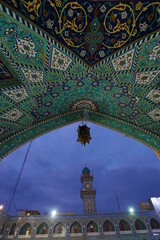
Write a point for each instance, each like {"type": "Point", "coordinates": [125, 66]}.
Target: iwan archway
{"type": "Point", "coordinates": [58, 61]}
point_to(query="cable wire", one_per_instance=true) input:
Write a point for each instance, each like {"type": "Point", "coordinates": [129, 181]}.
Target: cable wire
{"type": "Point", "coordinates": [19, 176]}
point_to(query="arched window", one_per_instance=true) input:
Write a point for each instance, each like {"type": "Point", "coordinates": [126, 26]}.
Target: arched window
{"type": "Point", "coordinates": [42, 229]}
{"type": "Point", "coordinates": [108, 227]}
{"type": "Point", "coordinates": [124, 226]}
{"type": "Point", "coordinates": [25, 229]}
{"type": "Point", "coordinates": [139, 225]}
{"type": "Point", "coordinates": [13, 229]}
{"type": "Point", "coordinates": [92, 227]}
{"type": "Point", "coordinates": [155, 224]}
{"type": "Point", "coordinates": [2, 227]}
{"type": "Point", "coordinates": [76, 228]}
{"type": "Point", "coordinates": [59, 229]}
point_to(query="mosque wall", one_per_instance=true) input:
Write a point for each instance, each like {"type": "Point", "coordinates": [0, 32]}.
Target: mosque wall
{"type": "Point", "coordinates": [105, 226]}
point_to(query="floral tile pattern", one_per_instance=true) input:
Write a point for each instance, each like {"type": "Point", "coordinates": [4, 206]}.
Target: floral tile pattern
{"type": "Point", "coordinates": [150, 54]}
{"type": "Point", "coordinates": [146, 77]}
{"type": "Point", "coordinates": [17, 95]}
{"type": "Point", "coordinates": [123, 62]}
{"type": "Point", "coordinates": [155, 114]}
{"type": "Point", "coordinates": [101, 58]}
{"type": "Point", "coordinates": [12, 115]}
{"type": "Point", "coordinates": [33, 76]}
{"type": "Point", "coordinates": [84, 104]}
{"type": "Point", "coordinates": [92, 31]}
{"type": "Point", "coordinates": [22, 45]}
{"type": "Point", "coordinates": [154, 95]}
{"type": "Point", "coordinates": [59, 60]}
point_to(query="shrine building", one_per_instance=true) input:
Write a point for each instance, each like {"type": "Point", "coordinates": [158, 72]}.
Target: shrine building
{"type": "Point", "coordinates": [29, 224]}
{"type": "Point", "coordinates": [63, 61]}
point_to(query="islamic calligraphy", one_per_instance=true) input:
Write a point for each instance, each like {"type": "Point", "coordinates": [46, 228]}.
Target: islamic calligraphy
{"type": "Point", "coordinates": [92, 31]}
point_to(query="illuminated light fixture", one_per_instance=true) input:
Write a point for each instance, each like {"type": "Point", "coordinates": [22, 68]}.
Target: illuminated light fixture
{"type": "Point", "coordinates": [28, 214]}
{"type": "Point", "coordinates": [1, 207]}
{"type": "Point", "coordinates": [83, 133]}
{"type": "Point", "coordinates": [54, 212]}
{"type": "Point", "coordinates": [131, 210]}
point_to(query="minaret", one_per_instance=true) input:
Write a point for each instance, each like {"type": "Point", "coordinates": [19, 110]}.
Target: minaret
{"type": "Point", "coordinates": [88, 193]}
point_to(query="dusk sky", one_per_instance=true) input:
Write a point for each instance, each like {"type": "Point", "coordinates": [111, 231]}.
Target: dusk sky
{"type": "Point", "coordinates": [51, 176]}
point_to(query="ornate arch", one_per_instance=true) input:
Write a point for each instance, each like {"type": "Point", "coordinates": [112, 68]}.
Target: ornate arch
{"type": "Point", "coordinates": [59, 228]}
{"type": "Point", "coordinates": [76, 227]}
{"type": "Point", "coordinates": [46, 82]}
{"type": "Point", "coordinates": [37, 130]}
{"type": "Point", "coordinates": [140, 225]}
{"type": "Point", "coordinates": [92, 227]}
{"type": "Point", "coordinates": [155, 224]}
{"type": "Point", "coordinates": [108, 226]}
{"type": "Point", "coordinates": [42, 228]}
{"type": "Point", "coordinates": [25, 229]}
{"type": "Point", "coordinates": [13, 229]}
{"type": "Point", "coordinates": [2, 227]}
{"type": "Point", "coordinates": [124, 225]}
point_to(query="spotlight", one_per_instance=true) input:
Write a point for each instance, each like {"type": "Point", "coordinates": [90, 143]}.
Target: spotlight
{"type": "Point", "coordinates": [131, 210]}
{"type": "Point", "coordinates": [1, 207]}
{"type": "Point", "coordinates": [54, 212]}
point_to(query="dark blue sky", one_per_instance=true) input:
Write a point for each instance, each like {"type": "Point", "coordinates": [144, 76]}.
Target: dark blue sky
{"type": "Point", "coordinates": [51, 176]}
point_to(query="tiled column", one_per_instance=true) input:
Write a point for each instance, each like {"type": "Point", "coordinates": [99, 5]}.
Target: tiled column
{"type": "Point", "coordinates": [101, 230]}
{"type": "Point", "coordinates": [84, 231]}
{"type": "Point", "coordinates": [33, 233]}
{"type": "Point", "coordinates": [149, 229]}
{"type": "Point", "coordinates": [50, 232]}
{"type": "Point", "coordinates": [133, 230]}
{"type": "Point", "coordinates": [16, 233]}
{"type": "Point", "coordinates": [117, 231]}
{"type": "Point", "coordinates": [67, 232]}
{"type": "Point", "coordinates": [5, 232]}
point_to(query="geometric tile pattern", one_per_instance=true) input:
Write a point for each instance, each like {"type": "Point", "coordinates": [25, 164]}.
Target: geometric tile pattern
{"type": "Point", "coordinates": [146, 77]}
{"type": "Point", "coordinates": [33, 76]}
{"type": "Point", "coordinates": [12, 115]}
{"type": "Point", "coordinates": [97, 62]}
{"type": "Point", "coordinates": [17, 95]}
{"type": "Point", "coordinates": [154, 95]}
{"type": "Point", "coordinates": [4, 73]}
{"type": "Point", "coordinates": [3, 130]}
{"type": "Point", "coordinates": [155, 114]}
{"type": "Point", "coordinates": [124, 62]}
{"type": "Point", "coordinates": [59, 60]}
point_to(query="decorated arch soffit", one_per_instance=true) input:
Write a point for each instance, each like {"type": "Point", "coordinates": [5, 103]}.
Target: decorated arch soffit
{"type": "Point", "coordinates": [59, 58]}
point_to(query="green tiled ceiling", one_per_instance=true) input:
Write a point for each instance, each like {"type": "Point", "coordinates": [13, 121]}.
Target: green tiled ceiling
{"type": "Point", "coordinates": [103, 59]}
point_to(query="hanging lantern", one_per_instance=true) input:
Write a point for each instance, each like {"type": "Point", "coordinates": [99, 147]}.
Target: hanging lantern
{"type": "Point", "coordinates": [83, 134]}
